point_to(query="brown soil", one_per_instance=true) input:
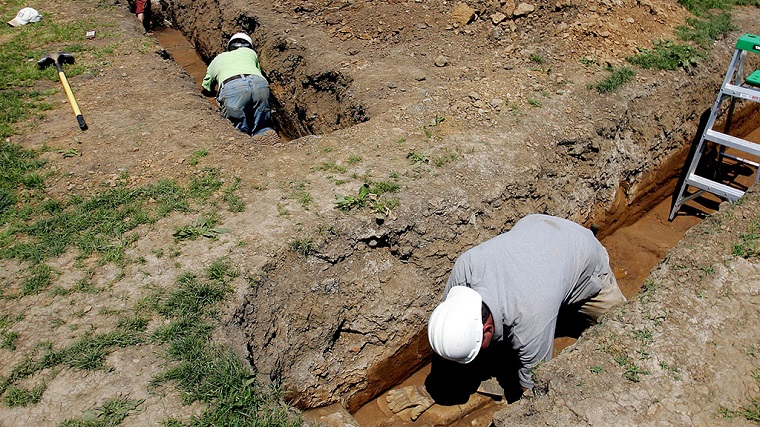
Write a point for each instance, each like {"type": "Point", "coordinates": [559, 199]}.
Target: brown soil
{"type": "Point", "coordinates": [499, 107]}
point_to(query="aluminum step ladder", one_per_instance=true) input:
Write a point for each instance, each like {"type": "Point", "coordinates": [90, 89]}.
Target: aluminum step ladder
{"type": "Point", "coordinates": [735, 86]}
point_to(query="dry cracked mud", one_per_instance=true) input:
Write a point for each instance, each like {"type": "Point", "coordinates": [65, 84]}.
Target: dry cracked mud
{"type": "Point", "coordinates": [481, 114]}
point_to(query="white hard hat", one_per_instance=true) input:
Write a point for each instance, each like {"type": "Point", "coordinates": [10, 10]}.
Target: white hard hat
{"type": "Point", "coordinates": [455, 329]}
{"type": "Point", "coordinates": [25, 16]}
{"type": "Point", "coordinates": [240, 37]}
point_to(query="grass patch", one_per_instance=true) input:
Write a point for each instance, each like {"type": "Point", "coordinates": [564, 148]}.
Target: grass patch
{"type": "Point", "coordinates": [205, 183]}
{"type": "Point", "coordinates": [37, 280]}
{"type": "Point", "coordinates": [418, 158]}
{"type": "Point", "coordinates": [8, 339]}
{"type": "Point", "coordinates": [210, 373]}
{"type": "Point", "coordinates": [704, 31]}
{"type": "Point", "coordinates": [617, 77]}
{"type": "Point", "coordinates": [447, 157]}
{"type": "Point", "coordinates": [699, 7]}
{"type": "Point", "coordinates": [299, 192]}
{"type": "Point", "coordinates": [303, 246]}
{"type": "Point", "coordinates": [87, 353]}
{"type": "Point", "coordinates": [112, 413]}
{"type": "Point", "coordinates": [667, 55]}
{"type": "Point", "coordinates": [17, 396]}
{"type": "Point", "coordinates": [750, 412]}
{"type": "Point", "coordinates": [197, 156]}
{"type": "Point", "coordinates": [234, 201]}
{"type": "Point", "coordinates": [369, 195]}
{"type": "Point", "coordinates": [329, 167]}
{"type": "Point", "coordinates": [204, 226]}
{"type": "Point", "coordinates": [713, 20]}
{"type": "Point", "coordinates": [37, 228]}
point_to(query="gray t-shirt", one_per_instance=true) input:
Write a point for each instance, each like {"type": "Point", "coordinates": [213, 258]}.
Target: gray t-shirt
{"type": "Point", "coordinates": [526, 275]}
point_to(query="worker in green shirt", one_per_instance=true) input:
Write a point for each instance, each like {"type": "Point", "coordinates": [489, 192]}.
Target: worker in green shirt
{"type": "Point", "coordinates": [243, 92]}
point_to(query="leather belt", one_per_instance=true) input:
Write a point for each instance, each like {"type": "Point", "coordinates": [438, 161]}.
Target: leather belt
{"type": "Point", "coordinates": [235, 77]}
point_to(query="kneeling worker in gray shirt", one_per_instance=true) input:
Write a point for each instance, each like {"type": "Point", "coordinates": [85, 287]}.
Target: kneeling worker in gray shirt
{"type": "Point", "coordinates": [512, 288]}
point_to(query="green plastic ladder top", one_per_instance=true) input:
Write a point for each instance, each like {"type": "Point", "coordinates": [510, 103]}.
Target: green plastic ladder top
{"type": "Point", "coordinates": [749, 42]}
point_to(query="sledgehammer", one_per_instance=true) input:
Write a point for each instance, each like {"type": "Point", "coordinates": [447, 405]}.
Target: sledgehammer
{"type": "Point", "coordinates": [58, 59]}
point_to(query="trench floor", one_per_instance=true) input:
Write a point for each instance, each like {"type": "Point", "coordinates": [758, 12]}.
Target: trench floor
{"type": "Point", "coordinates": [634, 251]}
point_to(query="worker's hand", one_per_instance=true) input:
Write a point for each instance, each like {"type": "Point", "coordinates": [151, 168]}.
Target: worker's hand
{"type": "Point", "coordinates": [414, 397]}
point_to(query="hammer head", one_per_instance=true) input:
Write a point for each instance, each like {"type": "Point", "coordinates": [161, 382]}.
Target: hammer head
{"type": "Point", "coordinates": [45, 61]}
{"type": "Point", "coordinates": [56, 59]}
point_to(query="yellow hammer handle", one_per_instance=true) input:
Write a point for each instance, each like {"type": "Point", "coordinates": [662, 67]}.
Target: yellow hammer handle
{"type": "Point", "coordinates": [69, 93]}
{"type": "Point", "coordinates": [72, 100]}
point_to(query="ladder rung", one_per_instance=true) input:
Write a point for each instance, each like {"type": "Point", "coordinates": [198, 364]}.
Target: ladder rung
{"type": "Point", "coordinates": [730, 193]}
{"type": "Point", "coordinates": [742, 160]}
{"type": "Point", "coordinates": [733, 142]}
{"type": "Point", "coordinates": [741, 92]}
{"type": "Point", "coordinates": [754, 78]}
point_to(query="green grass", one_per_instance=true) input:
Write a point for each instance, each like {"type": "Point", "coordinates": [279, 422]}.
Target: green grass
{"type": "Point", "coordinates": [747, 244]}
{"type": "Point", "coordinates": [37, 280]}
{"type": "Point", "coordinates": [203, 226]}
{"type": "Point", "coordinates": [712, 21]}
{"type": "Point", "coordinates": [303, 246]}
{"type": "Point", "coordinates": [417, 158]}
{"type": "Point", "coordinates": [699, 7]}
{"type": "Point", "coordinates": [704, 31]}
{"type": "Point", "coordinates": [17, 396]}
{"type": "Point", "coordinates": [369, 195]}
{"type": "Point", "coordinates": [37, 227]}
{"type": "Point", "coordinates": [197, 156]}
{"type": "Point", "coordinates": [206, 183]}
{"type": "Point", "coordinates": [616, 78]}
{"type": "Point", "coordinates": [8, 339]}
{"type": "Point", "coordinates": [299, 192]}
{"type": "Point", "coordinates": [750, 412]}
{"type": "Point", "coordinates": [667, 55]}
{"type": "Point", "coordinates": [234, 202]}
{"type": "Point", "coordinates": [111, 414]}
{"type": "Point", "coordinates": [447, 157]}
{"type": "Point", "coordinates": [87, 353]}
{"type": "Point", "coordinates": [329, 167]}
{"type": "Point", "coordinates": [207, 372]}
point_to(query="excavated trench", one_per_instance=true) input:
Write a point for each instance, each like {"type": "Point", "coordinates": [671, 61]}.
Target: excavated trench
{"type": "Point", "coordinates": [635, 245]}
{"type": "Point", "coordinates": [305, 100]}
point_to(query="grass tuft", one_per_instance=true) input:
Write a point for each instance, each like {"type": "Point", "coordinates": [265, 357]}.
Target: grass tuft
{"type": "Point", "coordinates": [667, 55]}
{"type": "Point", "coordinates": [17, 396]}
{"type": "Point", "coordinates": [112, 413]}
{"type": "Point", "coordinates": [617, 77]}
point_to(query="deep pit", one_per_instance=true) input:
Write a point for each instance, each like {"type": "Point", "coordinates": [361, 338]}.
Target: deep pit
{"type": "Point", "coordinates": [635, 248]}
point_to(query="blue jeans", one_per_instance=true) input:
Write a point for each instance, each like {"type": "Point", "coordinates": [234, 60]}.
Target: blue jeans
{"type": "Point", "coordinates": [245, 102]}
